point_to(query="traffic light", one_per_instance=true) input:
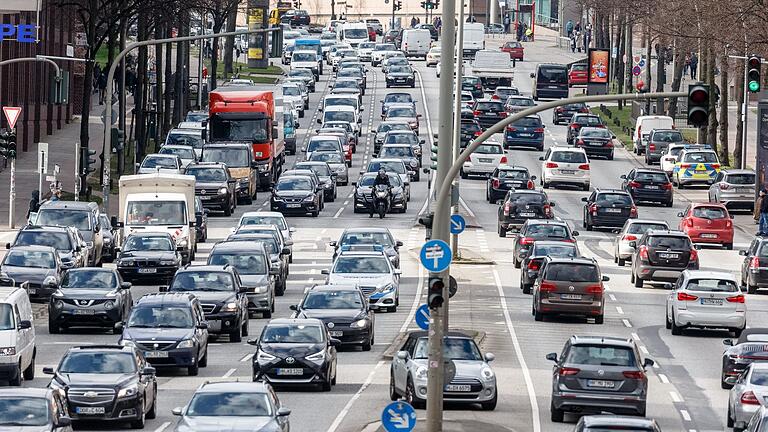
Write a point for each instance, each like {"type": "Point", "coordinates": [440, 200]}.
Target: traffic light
{"type": "Point", "coordinates": [436, 4]}
{"type": "Point", "coordinates": [118, 139]}
{"type": "Point", "coordinates": [397, 5]}
{"type": "Point", "coordinates": [88, 164]}
{"type": "Point", "coordinates": [11, 145]}
{"type": "Point", "coordinates": [753, 74]}
{"type": "Point", "coordinates": [698, 105]}
{"type": "Point", "coordinates": [8, 143]}
{"type": "Point", "coordinates": [433, 157]}
{"type": "Point", "coordinates": [435, 293]}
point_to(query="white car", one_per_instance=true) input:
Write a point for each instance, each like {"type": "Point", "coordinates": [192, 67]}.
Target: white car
{"type": "Point", "coordinates": [305, 59]}
{"type": "Point", "coordinates": [750, 388]}
{"type": "Point", "coordinates": [484, 160]}
{"type": "Point", "coordinates": [372, 271]}
{"type": "Point", "coordinates": [706, 299]}
{"type": "Point", "coordinates": [332, 51]}
{"type": "Point", "coordinates": [292, 96]}
{"type": "Point", "coordinates": [343, 113]}
{"type": "Point", "coordinates": [185, 152]}
{"type": "Point", "coordinates": [270, 218]}
{"type": "Point", "coordinates": [379, 50]}
{"type": "Point", "coordinates": [433, 56]}
{"type": "Point", "coordinates": [365, 51]}
{"type": "Point", "coordinates": [164, 163]}
{"type": "Point", "coordinates": [632, 230]}
{"type": "Point", "coordinates": [669, 159]}
{"type": "Point", "coordinates": [565, 165]}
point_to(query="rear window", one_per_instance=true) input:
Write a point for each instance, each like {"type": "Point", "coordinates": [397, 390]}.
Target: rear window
{"type": "Point", "coordinates": [669, 242]}
{"type": "Point", "coordinates": [555, 250]}
{"type": "Point", "coordinates": [652, 177]}
{"type": "Point", "coordinates": [668, 136]}
{"type": "Point", "coordinates": [520, 102]}
{"type": "Point", "coordinates": [710, 212]}
{"type": "Point", "coordinates": [569, 272]}
{"type": "Point", "coordinates": [579, 67]}
{"type": "Point", "coordinates": [712, 285]}
{"type": "Point", "coordinates": [553, 74]}
{"type": "Point", "coordinates": [513, 175]}
{"type": "Point", "coordinates": [587, 120]}
{"type": "Point", "coordinates": [740, 179]}
{"type": "Point", "coordinates": [574, 107]}
{"type": "Point", "coordinates": [595, 133]}
{"type": "Point", "coordinates": [547, 231]}
{"type": "Point", "coordinates": [489, 106]}
{"type": "Point", "coordinates": [527, 198]}
{"type": "Point", "coordinates": [470, 127]}
{"type": "Point", "coordinates": [568, 157]}
{"type": "Point", "coordinates": [759, 377]}
{"type": "Point", "coordinates": [489, 149]}
{"type": "Point", "coordinates": [700, 157]}
{"type": "Point", "coordinates": [614, 198]}
{"type": "Point", "coordinates": [601, 355]}
{"type": "Point", "coordinates": [641, 228]}
{"type": "Point", "coordinates": [528, 122]}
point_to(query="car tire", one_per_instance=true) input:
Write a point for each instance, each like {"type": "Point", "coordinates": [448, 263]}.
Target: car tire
{"type": "Point", "coordinates": [728, 246]}
{"type": "Point", "coordinates": [140, 422]}
{"type": "Point", "coordinates": [751, 289]}
{"type": "Point", "coordinates": [202, 361]}
{"type": "Point", "coordinates": [152, 413]}
{"type": "Point", "coordinates": [517, 263]}
{"type": "Point", "coordinates": [676, 330]}
{"type": "Point", "coordinates": [502, 231]}
{"type": "Point", "coordinates": [526, 288]}
{"type": "Point", "coordinates": [228, 209]}
{"type": "Point", "coordinates": [610, 156]}
{"type": "Point", "coordinates": [194, 369]}
{"type": "Point", "coordinates": [556, 415]}
{"type": "Point", "coordinates": [724, 385]}
{"type": "Point", "coordinates": [668, 203]}
{"type": "Point", "coordinates": [410, 395]}
{"type": "Point", "coordinates": [366, 345]}
{"type": "Point", "coordinates": [599, 319]}
{"type": "Point", "coordinates": [245, 328]}
{"type": "Point", "coordinates": [637, 280]}
{"type": "Point", "coordinates": [537, 315]}
{"type": "Point", "coordinates": [729, 417]}
{"type": "Point", "coordinates": [621, 262]}
{"type": "Point", "coordinates": [491, 404]}
{"type": "Point", "coordinates": [325, 386]}
{"type": "Point", "coordinates": [29, 372]}
{"type": "Point", "coordinates": [315, 213]}
{"type": "Point", "coordinates": [393, 395]}
{"type": "Point", "coordinates": [667, 322]}
{"type": "Point", "coordinates": [53, 328]}
{"type": "Point", "coordinates": [235, 336]}
{"type": "Point", "coordinates": [736, 334]}
{"type": "Point", "coordinates": [585, 187]}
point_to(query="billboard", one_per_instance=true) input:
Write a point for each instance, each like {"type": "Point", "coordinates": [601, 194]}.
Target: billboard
{"type": "Point", "coordinates": [598, 66]}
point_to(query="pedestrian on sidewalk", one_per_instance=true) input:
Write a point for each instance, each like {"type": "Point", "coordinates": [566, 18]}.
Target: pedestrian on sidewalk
{"type": "Point", "coordinates": [102, 88]}
{"type": "Point", "coordinates": [694, 65]}
{"type": "Point", "coordinates": [763, 227]}
{"type": "Point", "coordinates": [96, 74]}
{"type": "Point", "coordinates": [569, 28]}
{"type": "Point", "coordinates": [577, 29]}
{"type": "Point", "coordinates": [507, 22]}
{"type": "Point", "coordinates": [519, 31]}
{"type": "Point", "coordinates": [34, 203]}
{"type": "Point", "coordinates": [573, 42]}
{"type": "Point", "coordinates": [686, 64]}
{"type": "Point", "coordinates": [758, 204]}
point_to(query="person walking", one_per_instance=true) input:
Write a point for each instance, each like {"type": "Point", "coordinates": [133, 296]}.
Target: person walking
{"type": "Point", "coordinates": [686, 64]}
{"type": "Point", "coordinates": [573, 42]}
{"type": "Point", "coordinates": [763, 227]}
{"type": "Point", "coordinates": [577, 29]}
{"type": "Point", "coordinates": [102, 87]}
{"type": "Point", "coordinates": [694, 65]}
{"type": "Point", "coordinates": [758, 204]}
{"type": "Point", "coordinates": [507, 22]}
{"type": "Point", "coordinates": [569, 28]}
{"type": "Point", "coordinates": [34, 203]}
{"type": "Point", "coordinates": [413, 22]}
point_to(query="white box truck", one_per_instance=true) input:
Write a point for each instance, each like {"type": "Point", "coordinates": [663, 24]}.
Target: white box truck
{"type": "Point", "coordinates": [474, 38]}
{"type": "Point", "coordinates": [493, 67]}
{"type": "Point", "coordinates": [158, 202]}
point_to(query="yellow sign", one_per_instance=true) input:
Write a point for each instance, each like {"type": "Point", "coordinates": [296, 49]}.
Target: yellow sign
{"type": "Point", "coordinates": [255, 53]}
{"type": "Point", "coordinates": [256, 19]}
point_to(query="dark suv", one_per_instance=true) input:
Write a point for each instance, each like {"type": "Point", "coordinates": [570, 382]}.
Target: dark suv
{"type": "Point", "coordinates": [662, 255]}
{"type": "Point", "coordinates": [608, 208]}
{"type": "Point", "coordinates": [647, 184]}
{"type": "Point", "coordinates": [525, 132]}
{"type": "Point", "coordinates": [489, 112]}
{"type": "Point", "coordinates": [252, 261]}
{"type": "Point", "coordinates": [540, 251]}
{"type": "Point", "coordinates": [565, 112]}
{"type": "Point", "coordinates": [596, 373]}
{"type": "Point", "coordinates": [569, 286]}
{"type": "Point", "coordinates": [106, 383]}
{"type": "Point", "coordinates": [65, 240]}
{"type": "Point", "coordinates": [754, 268]}
{"type": "Point", "coordinates": [540, 229]}
{"type": "Point", "coordinates": [470, 129]}
{"type": "Point", "coordinates": [223, 299]}
{"type": "Point", "coordinates": [214, 186]}
{"type": "Point", "coordinates": [658, 142]}
{"type": "Point", "coordinates": [507, 177]}
{"type": "Point", "coordinates": [170, 330]}
{"type": "Point", "coordinates": [522, 205]}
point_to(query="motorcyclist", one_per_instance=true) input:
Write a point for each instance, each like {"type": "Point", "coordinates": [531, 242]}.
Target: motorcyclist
{"type": "Point", "coordinates": [381, 179]}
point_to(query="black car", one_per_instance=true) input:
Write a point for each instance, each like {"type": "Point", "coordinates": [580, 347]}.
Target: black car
{"type": "Point", "coordinates": [296, 17]}
{"type": "Point", "coordinates": [65, 240]}
{"type": "Point", "coordinates": [595, 141]}
{"type": "Point", "coordinates": [363, 193]}
{"type": "Point", "coordinates": [148, 258]}
{"type": "Point", "coordinates": [525, 132]}
{"type": "Point", "coordinates": [201, 221]}
{"type": "Point", "coordinates": [400, 75]}
{"type": "Point", "coordinates": [170, 330]}
{"type": "Point", "coordinates": [488, 112]}
{"type": "Point", "coordinates": [394, 36]}
{"type": "Point", "coordinates": [507, 177]}
{"type": "Point", "coordinates": [581, 120]}
{"type": "Point", "coordinates": [540, 250]}
{"type": "Point", "coordinates": [662, 255]}
{"type": "Point", "coordinates": [295, 194]}
{"type": "Point", "coordinates": [89, 297]}
{"type": "Point", "coordinates": [37, 266]}
{"type": "Point", "coordinates": [214, 186]}
{"type": "Point", "coordinates": [470, 129]}
{"type": "Point", "coordinates": [278, 257]}
{"type": "Point", "coordinates": [292, 351]}
{"type": "Point", "coordinates": [344, 310]}
{"type": "Point", "coordinates": [565, 112]}
{"type": "Point", "coordinates": [540, 229]}
{"type": "Point", "coordinates": [754, 267]}
{"type": "Point", "coordinates": [473, 85]}
{"type": "Point", "coordinates": [108, 239]}
{"type": "Point", "coordinates": [106, 383]}
{"type": "Point", "coordinates": [252, 261]}
{"type": "Point", "coordinates": [651, 185]}
{"type": "Point", "coordinates": [221, 296]}
{"type": "Point", "coordinates": [751, 346]}
{"type": "Point", "coordinates": [521, 205]}
{"type": "Point", "coordinates": [608, 208]}
{"type": "Point", "coordinates": [659, 141]}
{"type": "Point", "coordinates": [325, 174]}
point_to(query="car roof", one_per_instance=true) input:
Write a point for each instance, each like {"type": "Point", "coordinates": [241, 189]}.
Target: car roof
{"type": "Point", "coordinates": [166, 298]}
{"type": "Point", "coordinates": [650, 170]}
{"type": "Point", "coordinates": [600, 340]}
{"type": "Point", "coordinates": [233, 386]}
{"type": "Point", "coordinates": [149, 234]}
{"type": "Point", "coordinates": [339, 287]}
{"type": "Point", "coordinates": [737, 171]}
{"type": "Point", "coordinates": [78, 205]}
{"type": "Point", "coordinates": [418, 334]}
{"type": "Point", "coordinates": [613, 420]}
{"type": "Point", "coordinates": [506, 167]}
{"type": "Point", "coordinates": [708, 274]}
{"type": "Point", "coordinates": [645, 221]}
{"type": "Point", "coordinates": [614, 191]}
{"type": "Point", "coordinates": [221, 165]}
{"type": "Point", "coordinates": [238, 246]}
{"type": "Point", "coordinates": [567, 149]}
{"type": "Point", "coordinates": [666, 233]}
{"type": "Point", "coordinates": [752, 331]}
{"type": "Point", "coordinates": [547, 222]}
{"type": "Point", "coordinates": [206, 268]}
{"type": "Point", "coordinates": [296, 321]}
{"type": "Point", "coordinates": [28, 392]}
{"type": "Point", "coordinates": [56, 228]}
{"type": "Point", "coordinates": [366, 230]}
{"type": "Point", "coordinates": [365, 253]}
{"type": "Point", "coordinates": [33, 248]}
{"type": "Point", "coordinates": [573, 260]}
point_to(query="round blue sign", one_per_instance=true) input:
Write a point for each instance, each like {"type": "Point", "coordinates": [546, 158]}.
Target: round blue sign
{"type": "Point", "coordinates": [422, 317]}
{"type": "Point", "coordinates": [458, 224]}
{"type": "Point", "coordinates": [399, 416]}
{"type": "Point", "coordinates": [435, 256]}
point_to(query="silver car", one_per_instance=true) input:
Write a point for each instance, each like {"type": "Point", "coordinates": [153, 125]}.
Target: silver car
{"type": "Point", "coordinates": [164, 163]}
{"type": "Point", "coordinates": [271, 218]}
{"type": "Point", "coordinates": [632, 230]}
{"type": "Point", "coordinates": [185, 152]}
{"type": "Point", "coordinates": [336, 161]}
{"type": "Point", "coordinates": [735, 188]}
{"type": "Point", "coordinates": [473, 381]}
{"type": "Point", "coordinates": [749, 391]}
{"type": "Point", "coordinates": [372, 271]}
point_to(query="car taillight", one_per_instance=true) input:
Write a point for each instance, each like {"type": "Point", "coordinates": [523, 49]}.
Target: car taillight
{"type": "Point", "coordinates": [477, 113]}
{"type": "Point", "coordinates": [754, 263]}
{"type": "Point", "coordinates": [651, 146]}
{"type": "Point", "coordinates": [559, 109]}
{"type": "Point", "coordinates": [539, 130]}
{"type": "Point", "coordinates": [667, 186]}
{"type": "Point", "coordinates": [634, 374]}
{"type": "Point", "coordinates": [601, 126]}
{"type": "Point", "coordinates": [593, 209]}
{"type": "Point", "coordinates": [584, 110]}
{"type": "Point", "coordinates": [574, 126]}
{"type": "Point", "coordinates": [495, 183]}
{"type": "Point", "coordinates": [507, 207]}
{"type": "Point", "coordinates": [565, 371]}
{"type": "Point", "coordinates": [531, 184]}
{"type": "Point", "coordinates": [550, 165]}
{"type": "Point", "coordinates": [682, 296]}
{"type": "Point", "coordinates": [495, 97]}
{"type": "Point", "coordinates": [689, 222]}
{"type": "Point", "coordinates": [584, 167]}
{"type": "Point", "coordinates": [527, 241]}
{"type": "Point", "coordinates": [633, 212]}
{"type": "Point", "coordinates": [694, 255]}
{"type": "Point", "coordinates": [609, 144]}
{"type": "Point", "coordinates": [749, 398]}
{"type": "Point", "coordinates": [547, 209]}
{"type": "Point", "coordinates": [643, 253]}
{"type": "Point", "coordinates": [735, 299]}
{"type": "Point", "coordinates": [724, 186]}
{"type": "Point", "coordinates": [503, 160]}
{"type": "Point", "coordinates": [533, 265]}
{"type": "Point", "coordinates": [634, 184]}
{"type": "Point", "coordinates": [716, 165]}
{"type": "Point", "coordinates": [511, 129]}
{"type": "Point", "coordinates": [728, 223]}
{"type": "Point", "coordinates": [547, 287]}
{"type": "Point", "coordinates": [595, 289]}
{"type": "Point", "coordinates": [580, 142]}
{"type": "Point", "coordinates": [502, 114]}
{"type": "Point", "coordinates": [629, 237]}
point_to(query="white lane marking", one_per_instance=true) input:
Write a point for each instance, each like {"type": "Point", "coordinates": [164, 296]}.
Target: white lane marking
{"type": "Point", "coordinates": [338, 213]}
{"type": "Point", "coordinates": [686, 416]}
{"type": "Point", "coordinates": [246, 357]}
{"type": "Point", "coordinates": [635, 336]}
{"type": "Point", "coordinates": [644, 349]}
{"type": "Point", "coordinates": [663, 378]}
{"type": "Point", "coordinates": [626, 323]}
{"type": "Point", "coordinates": [675, 397]}
{"type": "Point", "coordinates": [416, 301]}
{"type": "Point", "coordinates": [466, 207]}
{"type": "Point", "coordinates": [355, 397]}
{"type": "Point", "coordinates": [229, 373]}
{"type": "Point", "coordinates": [162, 427]}
{"type": "Point", "coordinates": [323, 231]}
{"type": "Point", "coordinates": [612, 297]}
{"type": "Point", "coordinates": [519, 354]}
{"type": "Point", "coordinates": [619, 310]}
{"type": "Point", "coordinates": [346, 202]}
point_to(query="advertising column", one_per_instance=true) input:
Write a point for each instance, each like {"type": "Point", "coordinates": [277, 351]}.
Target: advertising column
{"type": "Point", "coordinates": [258, 55]}
{"type": "Point", "coordinates": [598, 73]}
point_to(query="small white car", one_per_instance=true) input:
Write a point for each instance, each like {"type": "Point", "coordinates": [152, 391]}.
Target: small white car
{"type": "Point", "coordinates": [433, 56]}
{"type": "Point", "coordinates": [371, 270]}
{"type": "Point", "coordinates": [565, 165]}
{"type": "Point", "coordinates": [365, 51]}
{"type": "Point", "coordinates": [750, 388]}
{"type": "Point", "coordinates": [484, 160]}
{"type": "Point", "coordinates": [164, 163]}
{"type": "Point", "coordinates": [706, 299]}
{"type": "Point", "coordinates": [632, 230]}
{"type": "Point", "coordinates": [185, 152]}
{"type": "Point", "coordinates": [292, 96]}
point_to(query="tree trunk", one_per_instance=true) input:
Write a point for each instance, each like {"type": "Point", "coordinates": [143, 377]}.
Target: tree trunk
{"type": "Point", "coordinates": [677, 78]}
{"type": "Point", "coordinates": [713, 123]}
{"type": "Point", "coordinates": [180, 81]}
{"type": "Point", "coordinates": [739, 89]}
{"type": "Point", "coordinates": [218, 24]}
{"type": "Point", "coordinates": [87, 92]}
{"type": "Point", "coordinates": [229, 43]}
{"type": "Point", "coordinates": [618, 73]}
{"type": "Point", "coordinates": [628, 53]}
{"type": "Point", "coordinates": [141, 85]}
{"type": "Point", "coordinates": [159, 32]}
{"type": "Point", "coordinates": [169, 81]}
{"type": "Point", "coordinates": [725, 157]}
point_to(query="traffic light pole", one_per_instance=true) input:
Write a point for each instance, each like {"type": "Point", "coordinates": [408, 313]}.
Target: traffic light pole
{"type": "Point", "coordinates": [11, 223]}
{"type": "Point", "coordinates": [457, 114]}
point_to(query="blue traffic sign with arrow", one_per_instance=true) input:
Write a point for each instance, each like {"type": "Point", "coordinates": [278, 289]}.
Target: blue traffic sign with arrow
{"type": "Point", "coordinates": [435, 255]}
{"type": "Point", "coordinates": [458, 224]}
{"type": "Point", "coordinates": [398, 416]}
{"type": "Point", "coordinates": [422, 317]}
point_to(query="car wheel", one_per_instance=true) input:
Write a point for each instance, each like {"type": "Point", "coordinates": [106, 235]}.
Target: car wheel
{"type": "Point", "coordinates": [393, 395]}
{"type": "Point", "coordinates": [410, 395]}
{"type": "Point", "coordinates": [53, 328]}
{"type": "Point", "coordinates": [728, 246]}
{"type": "Point", "coordinates": [194, 369]}
{"type": "Point", "coordinates": [599, 319]}
{"type": "Point", "coordinates": [203, 360]}
{"type": "Point", "coordinates": [326, 386]}
{"type": "Point", "coordinates": [245, 327]}
{"type": "Point", "coordinates": [517, 263]}
{"type": "Point", "coordinates": [235, 336]}
{"type": "Point", "coordinates": [152, 413]}
{"type": "Point", "coordinates": [228, 208]}
{"type": "Point", "coordinates": [556, 415]}
{"type": "Point", "coordinates": [736, 334]}
{"type": "Point", "coordinates": [729, 417]}
{"type": "Point", "coordinates": [667, 322]}
{"type": "Point", "coordinates": [585, 187]}
{"type": "Point", "coordinates": [366, 345]}
{"type": "Point", "coordinates": [526, 288]}
{"type": "Point", "coordinates": [668, 203]}
{"type": "Point", "coordinates": [637, 280]}
{"type": "Point", "coordinates": [315, 213]}
{"type": "Point", "coordinates": [751, 289]}
{"type": "Point", "coordinates": [29, 372]}
{"type": "Point", "coordinates": [676, 330]}
{"type": "Point", "coordinates": [537, 315]}
{"type": "Point", "coordinates": [139, 422]}
{"type": "Point", "coordinates": [491, 404]}
{"type": "Point", "coordinates": [621, 262]}
{"type": "Point", "coordinates": [610, 156]}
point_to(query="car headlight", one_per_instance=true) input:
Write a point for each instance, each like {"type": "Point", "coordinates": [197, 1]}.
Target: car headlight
{"type": "Point", "coordinates": [56, 293]}
{"type": "Point", "coordinates": [309, 198]}
{"type": "Point", "coordinates": [414, 164]}
{"type": "Point", "coordinates": [260, 289]}
{"type": "Point", "coordinates": [360, 323]}
{"type": "Point", "coordinates": [487, 373]}
{"type": "Point", "coordinates": [58, 304]}
{"type": "Point", "coordinates": [167, 262]}
{"type": "Point", "coordinates": [317, 357]}
{"type": "Point", "coordinates": [277, 198]}
{"type": "Point", "coordinates": [129, 391]}
{"type": "Point", "coordinates": [223, 190]}
{"type": "Point", "coordinates": [421, 373]}
{"type": "Point", "coordinates": [7, 351]}
{"type": "Point", "coordinates": [186, 343]}
{"type": "Point", "coordinates": [244, 180]}
{"type": "Point", "coordinates": [109, 305]}
{"type": "Point", "coordinates": [127, 343]}
{"type": "Point", "coordinates": [387, 288]}
{"type": "Point", "coordinates": [263, 357]}
{"type": "Point", "coordinates": [231, 306]}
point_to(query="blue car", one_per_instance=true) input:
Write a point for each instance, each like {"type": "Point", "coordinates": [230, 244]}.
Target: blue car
{"type": "Point", "coordinates": [526, 132]}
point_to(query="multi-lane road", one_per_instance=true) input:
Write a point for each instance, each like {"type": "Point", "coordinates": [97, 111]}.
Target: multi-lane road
{"type": "Point", "coordinates": [684, 389]}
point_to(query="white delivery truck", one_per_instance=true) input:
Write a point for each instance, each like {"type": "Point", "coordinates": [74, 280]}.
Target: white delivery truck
{"type": "Point", "coordinates": [158, 202]}
{"type": "Point", "coordinates": [353, 33]}
{"type": "Point", "coordinates": [493, 67]}
{"type": "Point", "coordinates": [416, 42]}
{"type": "Point", "coordinates": [474, 38]}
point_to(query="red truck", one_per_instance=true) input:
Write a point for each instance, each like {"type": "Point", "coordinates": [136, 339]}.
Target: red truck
{"type": "Point", "coordinates": [240, 114]}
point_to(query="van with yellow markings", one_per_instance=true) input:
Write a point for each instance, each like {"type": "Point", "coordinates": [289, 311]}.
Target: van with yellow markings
{"type": "Point", "coordinates": [695, 166]}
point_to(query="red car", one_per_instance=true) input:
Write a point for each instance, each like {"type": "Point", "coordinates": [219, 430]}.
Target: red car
{"type": "Point", "coordinates": [515, 50]}
{"type": "Point", "coordinates": [577, 75]}
{"type": "Point", "coordinates": [707, 223]}
{"type": "Point", "coordinates": [371, 34]}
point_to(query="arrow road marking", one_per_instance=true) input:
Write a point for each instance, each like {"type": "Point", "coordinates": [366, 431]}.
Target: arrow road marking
{"type": "Point", "coordinates": [399, 421]}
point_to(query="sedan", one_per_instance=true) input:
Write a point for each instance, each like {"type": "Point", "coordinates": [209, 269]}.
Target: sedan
{"type": "Point", "coordinates": [708, 223]}
{"type": "Point", "coordinates": [515, 50]}
{"type": "Point", "coordinates": [632, 230]}
{"type": "Point", "coordinates": [38, 266]}
{"type": "Point", "coordinates": [597, 423]}
{"type": "Point", "coordinates": [608, 208]}
{"type": "Point", "coordinates": [540, 229]}
{"type": "Point", "coordinates": [581, 120]}
{"type": "Point", "coordinates": [525, 132]}
{"type": "Point", "coordinates": [542, 249]}
{"type": "Point", "coordinates": [405, 153]}
{"type": "Point", "coordinates": [706, 299]}
{"type": "Point", "coordinates": [295, 194]}
{"type": "Point", "coordinates": [372, 271]}
{"type": "Point", "coordinates": [185, 152]}
{"type": "Point", "coordinates": [433, 56]}
{"type": "Point", "coordinates": [488, 112]}
{"type": "Point", "coordinates": [400, 75]}
{"type": "Point", "coordinates": [749, 390]}
{"type": "Point", "coordinates": [518, 103]}
{"type": "Point", "coordinates": [396, 98]}
{"type": "Point", "coordinates": [384, 127]}
{"type": "Point", "coordinates": [565, 112]}
{"type": "Point", "coordinates": [484, 160]}
{"type": "Point", "coordinates": [647, 184]}
{"type": "Point", "coordinates": [404, 113]}
{"type": "Point", "coordinates": [337, 164]}
{"type": "Point", "coordinates": [595, 141]}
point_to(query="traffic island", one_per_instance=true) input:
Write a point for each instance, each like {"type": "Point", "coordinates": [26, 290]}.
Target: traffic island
{"type": "Point", "coordinates": [449, 425]}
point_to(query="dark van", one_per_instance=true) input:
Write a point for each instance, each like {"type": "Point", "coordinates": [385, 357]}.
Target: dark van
{"type": "Point", "coordinates": [550, 81]}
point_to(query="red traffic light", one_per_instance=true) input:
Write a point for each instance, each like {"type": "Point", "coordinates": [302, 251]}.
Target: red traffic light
{"type": "Point", "coordinates": [754, 62]}
{"type": "Point", "coordinates": [698, 96]}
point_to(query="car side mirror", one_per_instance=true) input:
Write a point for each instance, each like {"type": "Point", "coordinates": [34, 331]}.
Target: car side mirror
{"type": "Point", "coordinates": [743, 253]}
{"type": "Point", "coordinates": [551, 357]}
{"type": "Point", "coordinates": [422, 141]}
{"type": "Point", "coordinates": [334, 342]}
{"type": "Point", "coordinates": [319, 121]}
{"type": "Point", "coordinates": [668, 285]}
{"type": "Point", "coordinates": [584, 199]}
{"type": "Point", "coordinates": [202, 326]}
{"type": "Point", "coordinates": [48, 370]}
{"type": "Point", "coordinates": [425, 170]}
{"type": "Point", "coordinates": [177, 411]}
{"type": "Point", "coordinates": [552, 204]}
{"type": "Point", "coordinates": [283, 412]}
{"type": "Point", "coordinates": [533, 75]}
{"type": "Point", "coordinates": [728, 342]}
{"type": "Point", "coordinates": [64, 421]}
{"type": "Point", "coordinates": [648, 362]}
{"type": "Point", "coordinates": [398, 244]}
{"type": "Point", "coordinates": [489, 357]}
{"type": "Point", "coordinates": [575, 233]}
{"type": "Point", "coordinates": [606, 278]}
{"type": "Point", "coordinates": [324, 271]}
{"type": "Point", "coordinates": [623, 176]}
{"type": "Point", "coordinates": [148, 370]}
{"type": "Point", "coordinates": [434, 136]}
{"type": "Point", "coordinates": [254, 342]}
{"type": "Point", "coordinates": [633, 244]}
{"type": "Point", "coordinates": [285, 251]}
{"type": "Point", "coordinates": [679, 214]}
{"type": "Point", "coordinates": [296, 125]}
{"type": "Point", "coordinates": [119, 326]}
{"type": "Point", "coordinates": [697, 247]}
{"type": "Point", "coordinates": [402, 355]}
{"type": "Point", "coordinates": [7, 245]}
{"type": "Point", "coordinates": [293, 307]}
{"type": "Point", "coordinates": [541, 158]}
{"type": "Point", "coordinates": [179, 248]}
{"type": "Point", "coordinates": [25, 324]}
{"type": "Point", "coordinates": [254, 164]}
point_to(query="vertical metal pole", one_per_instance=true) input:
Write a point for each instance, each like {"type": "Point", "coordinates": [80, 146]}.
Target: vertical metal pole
{"type": "Point", "coordinates": [200, 65]}
{"type": "Point", "coordinates": [77, 172]}
{"type": "Point", "coordinates": [12, 194]}
{"type": "Point", "coordinates": [457, 116]}
{"type": "Point", "coordinates": [744, 113]}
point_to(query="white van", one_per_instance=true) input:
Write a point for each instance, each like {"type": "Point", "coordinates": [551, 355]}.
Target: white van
{"type": "Point", "coordinates": [353, 33]}
{"type": "Point", "coordinates": [643, 127]}
{"type": "Point", "coordinates": [17, 335]}
{"type": "Point", "coordinates": [416, 42]}
{"type": "Point", "coordinates": [474, 38]}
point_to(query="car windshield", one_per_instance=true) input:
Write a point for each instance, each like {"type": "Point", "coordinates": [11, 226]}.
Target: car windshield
{"type": "Point", "coordinates": [503, 93]}
{"type": "Point", "coordinates": [401, 112]}
{"type": "Point", "coordinates": [675, 151]}
{"type": "Point", "coordinates": [470, 127]}
{"type": "Point", "coordinates": [398, 167]}
{"type": "Point", "coordinates": [91, 362]}
{"type": "Point", "coordinates": [322, 170]}
{"type": "Point", "coordinates": [396, 151]}
{"type": "Point", "coordinates": [291, 91]}
{"type": "Point", "coordinates": [239, 129]}
{"type": "Point", "coordinates": [587, 120]}
{"type": "Point", "coordinates": [295, 183]}
{"type": "Point", "coordinates": [193, 116]}
{"type": "Point", "coordinates": [759, 377]}
{"type": "Point", "coordinates": [356, 33]}
{"type": "Point", "coordinates": [712, 285]}
{"type": "Point", "coordinates": [323, 145]}
{"type": "Point", "coordinates": [658, 177]}
{"type": "Point", "coordinates": [81, 278]}
{"type": "Point", "coordinates": [528, 122]}
{"type": "Point", "coordinates": [366, 45]}
{"type": "Point", "coordinates": [247, 263]}
{"type": "Point", "coordinates": [182, 152]}
{"type": "Point", "coordinates": [489, 149]}
{"type": "Point", "coordinates": [546, 230]}
{"type": "Point", "coordinates": [398, 98]}
{"type": "Point", "coordinates": [333, 300]}
{"type": "Point", "coordinates": [548, 74]}
{"type": "Point", "coordinates": [641, 228]}
{"type": "Point", "coordinates": [385, 47]}
{"type": "Point", "coordinates": [142, 243]}
{"type": "Point", "coordinates": [710, 212]}
{"type": "Point", "coordinates": [30, 259]}
{"type": "Point", "coordinates": [600, 355]}
{"type": "Point", "coordinates": [157, 212]}
{"type": "Point", "coordinates": [401, 138]}
{"type": "Point", "coordinates": [668, 136]}
{"type": "Point", "coordinates": [595, 133]}
{"type": "Point", "coordinates": [347, 116]}
{"type": "Point", "coordinates": [264, 220]}
{"type": "Point", "coordinates": [229, 404]}
{"type": "Point", "coordinates": [208, 175]}
{"type": "Point", "coordinates": [489, 106]}
{"type": "Point", "coordinates": [512, 174]}
{"type": "Point", "coordinates": [329, 157]}
{"type": "Point", "coordinates": [306, 73]}
{"type": "Point", "coordinates": [398, 68]}
{"type": "Point", "coordinates": [741, 179]}
{"type": "Point", "coordinates": [159, 162]}
{"type": "Point", "coordinates": [367, 238]}
{"type": "Point", "coordinates": [527, 198]}
{"type": "Point", "coordinates": [7, 317]}
{"type": "Point", "coordinates": [664, 242]}
{"type": "Point", "coordinates": [18, 411]}
{"type": "Point", "coordinates": [79, 219]}
{"type": "Point", "coordinates": [202, 281]}
{"type": "Point", "coordinates": [233, 157]}
{"type": "Point", "coordinates": [568, 157]}
{"type": "Point", "coordinates": [568, 272]}
{"type": "Point", "coordinates": [349, 72]}
{"type": "Point", "coordinates": [292, 333]}
{"type": "Point", "coordinates": [614, 198]}
{"type": "Point", "coordinates": [555, 250]}
{"type": "Point", "coordinates": [453, 349]}
{"type": "Point", "coordinates": [304, 56]}
{"type": "Point", "coordinates": [346, 84]}
{"type": "Point", "coordinates": [368, 180]}
{"type": "Point", "coordinates": [361, 264]}
{"type": "Point", "coordinates": [185, 139]}
{"type": "Point", "coordinates": [57, 240]}
{"type": "Point", "coordinates": [700, 157]}
{"type": "Point", "coordinates": [341, 101]}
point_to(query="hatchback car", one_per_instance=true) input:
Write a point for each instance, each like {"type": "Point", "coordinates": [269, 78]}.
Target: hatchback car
{"type": "Point", "coordinates": [707, 223]}
{"type": "Point", "coordinates": [257, 275]}
{"type": "Point", "coordinates": [581, 120]}
{"type": "Point", "coordinates": [399, 75]}
{"type": "Point", "coordinates": [296, 194]}
{"type": "Point", "coordinates": [569, 286]}
{"type": "Point", "coordinates": [515, 50]}
{"type": "Point", "coordinates": [406, 154]}
{"type": "Point", "coordinates": [565, 112]}
{"type": "Point", "coordinates": [650, 185]}
{"type": "Point", "coordinates": [396, 98]}
{"type": "Point", "coordinates": [662, 255]}
{"type": "Point", "coordinates": [669, 159]}
{"type": "Point", "coordinates": [469, 130]}
{"type": "Point", "coordinates": [215, 186]}
{"type": "Point", "coordinates": [540, 229]}
{"type": "Point", "coordinates": [734, 188]}
{"type": "Point", "coordinates": [744, 399]}
{"type": "Point", "coordinates": [72, 249]}
{"type": "Point", "coordinates": [751, 346]}
{"type": "Point", "coordinates": [695, 167]}
{"type": "Point", "coordinates": [396, 137]}
{"type": "Point", "coordinates": [405, 113]}
{"type": "Point", "coordinates": [502, 93]}
{"type": "Point", "coordinates": [658, 142]}
{"type": "Point", "coordinates": [372, 271]}
{"type": "Point", "coordinates": [473, 383]}
{"type": "Point", "coordinates": [484, 160]}
{"type": "Point", "coordinates": [603, 423]}
{"type": "Point", "coordinates": [488, 112]}
{"type": "Point", "coordinates": [564, 165]}
{"type": "Point", "coordinates": [577, 74]}
{"type": "Point", "coordinates": [381, 237]}
{"type": "Point", "coordinates": [383, 128]}
{"type": "Point", "coordinates": [754, 267]}
{"type": "Point", "coordinates": [34, 409]}
{"type": "Point", "coordinates": [632, 230]}
{"type": "Point", "coordinates": [607, 208]}
{"type": "Point", "coordinates": [540, 251]}
{"type": "Point", "coordinates": [164, 163]}
{"type": "Point", "coordinates": [525, 132]}
{"type": "Point", "coordinates": [505, 178]}
{"type": "Point", "coordinates": [517, 103]}
{"type": "Point", "coordinates": [327, 176]}
{"type": "Point", "coordinates": [706, 299]}
{"type": "Point", "coordinates": [37, 266]}
{"type": "Point", "coordinates": [598, 373]}
{"type": "Point", "coordinates": [595, 141]}
{"type": "Point", "coordinates": [185, 152]}
{"type": "Point", "coordinates": [521, 205]}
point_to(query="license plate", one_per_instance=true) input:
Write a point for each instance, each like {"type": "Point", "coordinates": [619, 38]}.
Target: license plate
{"type": "Point", "coordinates": [156, 354]}
{"type": "Point", "coordinates": [595, 143]}
{"type": "Point", "coordinates": [712, 302]}
{"type": "Point", "coordinates": [668, 255]}
{"type": "Point", "coordinates": [745, 190]}
{"type": "Point", "coordinates": [600, 383]}
{"type": "Point", "coordinates": [147, 270]}
{"type": "Point", "coordinates": [567, 172]}
{"type": "Point", "coordinates": [458, 388]}
{"type": "Point", "coordinates": [527, 214]}
{"type": "Point", "coordinates": [84, 312]}
{"type": "Point", "coordinates": [336, 333]}
{"type": "Point", "coordinates": [553, 87]}
{"type": "Point", "coordinates": [32, 290]}
{"type": "Point", "coordinates": [484, 160]}
{"type": "Point", "coordinates": [293, 205]}
{"type": "Point", "coordinates": [205, 198]}
{"type": "Point", "coordinates": [570, 296]}
{"type": "Point", "coordinates": [651, 187]}
{"type": "Point", "coordinates": [612, 210]}
{"type": "Point", "coordinates": [290, 371]}
{"type": "Point", "coordinates": [90, 410]}
{"type": "Point", "coordinates": [525, 135]}
{"type": "Point", "coordinates": [709, 235]}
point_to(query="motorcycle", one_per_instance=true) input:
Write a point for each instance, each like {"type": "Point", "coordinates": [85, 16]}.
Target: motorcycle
{"type": "Point", "coordinates": [380, 202]}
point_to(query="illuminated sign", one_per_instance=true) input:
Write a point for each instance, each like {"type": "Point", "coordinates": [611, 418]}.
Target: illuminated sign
{"type": "Point", "coordinates": [19, 32]}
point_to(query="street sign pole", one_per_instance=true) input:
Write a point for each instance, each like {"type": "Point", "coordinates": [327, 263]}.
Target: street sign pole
{"type": "Point", "coordinates": [12, 194]}
{"type": "Point", "coordinates": [42, 167]}
{"type": "Point", "coordinates": [77, 171]}
{"type": "Point", "coordinates": [12, 115]}
{"type": "Point", "coordinates": [457, 119]}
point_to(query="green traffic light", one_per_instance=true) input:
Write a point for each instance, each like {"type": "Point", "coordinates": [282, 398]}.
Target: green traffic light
{"type": "Point", "coordinates": [753, 86]}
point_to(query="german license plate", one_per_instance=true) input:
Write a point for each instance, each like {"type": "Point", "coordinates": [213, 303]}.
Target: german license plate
{"type": "Point", "coordinates": [709, 235]}
{"type": "Point", "coordinates": [458, 388]}
{"type": "Point", "coordinates": [156, 354]}
{"type": "Point", "coordinates": [84, 312]}
{"type": "Point", "coordinates": [147, 270]}
{"type": "Point", "coordinates": [667, 255]}
{"type": "Point", "coordinates": [293, 205]}
{"type": "Point", "coordinates": [600, 383]}
{"type": "Point", "coordinates": [32, 290]}
{"type": "Point", "coordinates": [594, 143]}
{"type": "Point", "coordinates": [712, 301]}
{"type": "Point", "coordinates": [525, 135]}
{"type": "Point", "coordinates": [89, 410]}
{"type": "Point", "coordinates": [484, 160]}
{"type": "Point", "coordinates": [290, 371]}
{"type": "Point", "coordinates": [651, 187]}
{"type": "Point", "coordinates": [612, 210]}
{"type": "Point", "coordinates": [336, 333]}
{"type": "Point", "coordinates": [527, 214]}
{"type": "Point", "coordinates": [567, 172]}
{"type": "Point", "coordinates": [745, 190]}
{"type": "Point", "coordinates": [205, 198]}
{"type": "Point", "coordinates": [570, 296]}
